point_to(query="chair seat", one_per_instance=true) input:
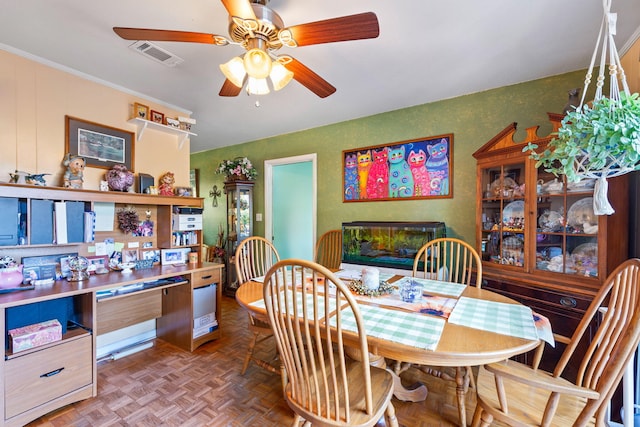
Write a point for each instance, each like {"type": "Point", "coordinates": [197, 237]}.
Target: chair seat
{"type": "Point", "coordinates": [526, 403]}
{"type": "Point", "coordinates": [382, 388]}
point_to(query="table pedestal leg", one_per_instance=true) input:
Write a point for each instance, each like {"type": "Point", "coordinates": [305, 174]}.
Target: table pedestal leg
{"type": "Point", "coordinates": [416, 393]}
{"type": "Point", "coordinates": [462, 385]}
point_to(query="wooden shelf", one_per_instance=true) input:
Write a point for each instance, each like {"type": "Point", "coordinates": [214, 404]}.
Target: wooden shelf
{"type": "Point", "coordinates": [68, 194]}
{"type": "Point", "coordinates": [143, 124]}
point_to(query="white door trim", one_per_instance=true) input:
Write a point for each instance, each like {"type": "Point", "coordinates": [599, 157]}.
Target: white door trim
{"type": "Point", "coordinates": [268, 189]}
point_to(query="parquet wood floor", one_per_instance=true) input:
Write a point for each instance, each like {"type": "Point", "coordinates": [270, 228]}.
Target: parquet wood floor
{"type": "Point", "coordinates": [167, 386]}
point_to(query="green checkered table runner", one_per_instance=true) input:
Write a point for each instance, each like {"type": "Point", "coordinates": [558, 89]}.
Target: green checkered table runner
{"type": "Point", "coordinates": [515, 320]}
{"type": "Point", "coordinates": [411, 329]}
{"type": "Point", "coordinates": [309, 302]}
{"type": "Point", "coordinates": [435, 286]}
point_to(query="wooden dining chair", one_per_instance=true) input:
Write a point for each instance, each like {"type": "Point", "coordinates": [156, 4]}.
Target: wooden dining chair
{"type": "Point", "coordinates": [328, 250]}
{"type": "Point", "coordinates": [253, 258]}
{"type": "Point", "coordinates": [320, 383]}
{"type": "Point", "coordinates": [450, 260]}
{"type": "Point", "coordinates": [605, 340]}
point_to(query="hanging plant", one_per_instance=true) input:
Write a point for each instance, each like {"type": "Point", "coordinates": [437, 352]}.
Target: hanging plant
{"type": "Point", "coordinates": [601, 140]}
{"type": "Point", "coordinates": [128, 220]}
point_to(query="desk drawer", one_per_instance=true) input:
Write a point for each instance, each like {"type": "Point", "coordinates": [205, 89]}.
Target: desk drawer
{"type": "Point", "coordinates": [187, 222]}
{"type": "Point", "coordinates": [205, 277]}
{"type": "Point", "coordinates": [36, 378]}
{"type": "Point", "coordinates": [119, 312]}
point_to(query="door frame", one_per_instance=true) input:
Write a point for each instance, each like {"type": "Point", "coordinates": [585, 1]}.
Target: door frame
{"type": "Point", "coordinates": [268, 190]}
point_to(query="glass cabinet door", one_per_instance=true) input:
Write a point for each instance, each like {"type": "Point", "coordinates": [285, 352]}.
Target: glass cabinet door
{"type": "Point", "coordinates": [239, 212]}
{"type": "Point", "coordinates": [567, 229]}
{"type": "Point", "coordinates": [503, 214]}
{"type": "Point", "coordinates": [244, 213]}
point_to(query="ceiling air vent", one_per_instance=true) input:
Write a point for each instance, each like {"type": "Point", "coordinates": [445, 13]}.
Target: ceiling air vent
{"type": "Point", "coordinates": [156, 53]}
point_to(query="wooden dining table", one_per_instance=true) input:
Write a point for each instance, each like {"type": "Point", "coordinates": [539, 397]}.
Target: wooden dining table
{"type": "Point", "coordinates": [458, 345]}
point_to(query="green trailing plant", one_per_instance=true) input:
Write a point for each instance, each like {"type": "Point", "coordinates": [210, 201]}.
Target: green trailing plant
{"type": "Point", "coordinates": [600, 139]}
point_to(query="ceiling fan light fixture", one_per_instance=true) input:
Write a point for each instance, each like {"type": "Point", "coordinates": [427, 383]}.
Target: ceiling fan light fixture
{"type": "Point", "coordinates": [257, 63]}
{"type": "Point", "coordinates": [257, 86]}
{"type": "Point", "coordinates": [234, 71]}
{"type": "Point", "coordinates": [280, 76]}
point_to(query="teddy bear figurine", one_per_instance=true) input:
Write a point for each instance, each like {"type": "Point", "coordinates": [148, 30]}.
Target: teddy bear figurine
{"type": "Point", "coordinates": [166, 184]}
{"type": "Point", "coordinates": [119, 178]}
{"type": "Point", "coordinates": [75, 169]}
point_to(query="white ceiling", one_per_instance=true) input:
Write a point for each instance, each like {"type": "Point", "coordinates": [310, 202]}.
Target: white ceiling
{"type": "Point", "coordinates": [426, 51]}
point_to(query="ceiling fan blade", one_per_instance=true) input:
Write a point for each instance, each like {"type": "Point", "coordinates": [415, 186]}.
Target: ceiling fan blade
{"type": "Point", "coordinates": [169, 36]}
{"type": "Point", "coordinates": [240, 8]}
{"type": "Point", "coordinates": [303, 75]}
{"type": "Point", "coordinates": [229, 89]}
{"type": "Point", "coordinates": [352, 27]}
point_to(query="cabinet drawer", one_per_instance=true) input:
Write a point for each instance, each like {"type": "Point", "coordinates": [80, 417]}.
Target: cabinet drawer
{"type": "Point", "coordinates": [39, 377]}
{"type": "Point", "coordinates": [205, 277]}
{"type": "Point", "coordinates": [187, 222]}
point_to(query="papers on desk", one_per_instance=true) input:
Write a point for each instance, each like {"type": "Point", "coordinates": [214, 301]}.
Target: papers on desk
{"type": "Point", "coordinates": [410, 329]}
{"type": "Point", "coordinates": [515, 320]}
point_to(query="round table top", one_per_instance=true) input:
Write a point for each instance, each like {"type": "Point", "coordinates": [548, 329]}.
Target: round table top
{"type": "Point", "coordinates": [458, 346]}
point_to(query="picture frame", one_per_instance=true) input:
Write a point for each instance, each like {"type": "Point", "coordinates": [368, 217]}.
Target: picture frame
{"type": "Point", "coordinates": [184, 191]}
{"type": "Point", "coordinates": [96, 262]}
{"type": "Point", "coordinates": [174, 123]}
{"type": "Point", "coordinates": [172, 256]}
{"type": "Point", "coordinates": [153, 255]}
{"type": "Point", "coordinates": [129, 255]}
{"type": "Point", "coordinates": [406, 170]}
{"type": "Point", "coordinates": [140, 111]}
{"type": "Point", "coordinates": [101, 146]}
{"type": "Point", "coordinates": [157, 117]}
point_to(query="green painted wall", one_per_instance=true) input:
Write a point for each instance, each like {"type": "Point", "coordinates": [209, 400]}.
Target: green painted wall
{"type": "Point", "coordinates": [473, 119]}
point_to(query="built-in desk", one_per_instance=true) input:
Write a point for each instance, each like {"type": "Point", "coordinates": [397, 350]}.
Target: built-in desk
{"type": "Point", "coordinates": [45, 378]}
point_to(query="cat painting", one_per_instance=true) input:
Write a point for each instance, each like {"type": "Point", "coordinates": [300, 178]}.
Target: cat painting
{"type": "Point", "coordinates": [400, 178]}
{"type": "Point", "coordinates": [364, 164]}
{"type": "Point", "coordinates": [438, 168]}
{"type": "Point", "coordinates": [351, 177]}
{"type": "Point", "coordinates": [378, 178]}
{"type": "Point", "coordinates": [419, 171]}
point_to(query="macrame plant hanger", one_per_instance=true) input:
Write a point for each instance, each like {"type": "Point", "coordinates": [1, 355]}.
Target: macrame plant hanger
{"type": "Point", "coordinates": [601, 205]}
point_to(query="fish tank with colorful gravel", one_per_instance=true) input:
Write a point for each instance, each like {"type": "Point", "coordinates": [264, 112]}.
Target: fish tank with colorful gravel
{"type": "Point", "coordinates": [387, 243]}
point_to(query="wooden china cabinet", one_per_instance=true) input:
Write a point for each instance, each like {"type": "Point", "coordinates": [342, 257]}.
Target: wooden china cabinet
{"type": "Point", "coordinates": [539, 239]}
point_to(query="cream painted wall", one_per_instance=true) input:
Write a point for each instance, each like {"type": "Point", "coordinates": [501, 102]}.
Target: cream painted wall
{"type": "Point", "coordinates": [631, 64]}
{"type": "Point", "coordinates": [34, 99]}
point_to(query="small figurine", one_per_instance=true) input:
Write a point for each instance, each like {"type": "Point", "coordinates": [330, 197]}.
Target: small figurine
{"type": "Point", "coordinates": [18, 177]}
{"type": "Point", "coordinates": [119, 178]}
{"type": "Point", "coordinates": [166, 184]}
{"type": "Point", "coordinates": [75, 168]}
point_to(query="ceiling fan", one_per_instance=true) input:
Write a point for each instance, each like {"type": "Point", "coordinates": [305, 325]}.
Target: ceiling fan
{"type": "Point", "coordinates": [261, 32]}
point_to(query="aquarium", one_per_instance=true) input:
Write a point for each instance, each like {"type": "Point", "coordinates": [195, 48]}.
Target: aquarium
{"type": "Point", "coordinates": [387, 244]}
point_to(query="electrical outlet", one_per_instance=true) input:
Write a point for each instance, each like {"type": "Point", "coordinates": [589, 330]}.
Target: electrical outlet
{"type": "Point", "coordinates": [258, 217]}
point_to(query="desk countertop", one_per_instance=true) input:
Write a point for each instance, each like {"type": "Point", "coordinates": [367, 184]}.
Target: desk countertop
{"type": "Point", "coordinates": [97, 282]}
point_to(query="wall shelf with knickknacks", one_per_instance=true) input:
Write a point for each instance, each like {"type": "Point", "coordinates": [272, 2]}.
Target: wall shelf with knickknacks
{"type": "Point", "coordinates": [143, 124]}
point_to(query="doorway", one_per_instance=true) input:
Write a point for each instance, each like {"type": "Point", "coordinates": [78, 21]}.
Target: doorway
{"type": "Point", "coordinates": [290, 205]}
